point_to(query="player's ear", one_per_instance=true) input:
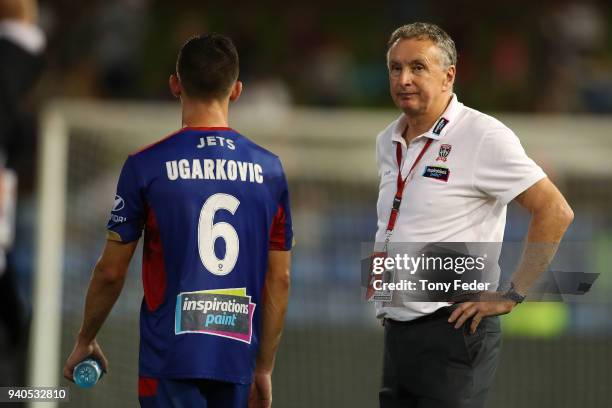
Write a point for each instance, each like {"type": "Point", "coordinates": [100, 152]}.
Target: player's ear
{"type": "Point", "coordinates": [175, 86]}
{"type": "Point", "coordinates": [236, 91]}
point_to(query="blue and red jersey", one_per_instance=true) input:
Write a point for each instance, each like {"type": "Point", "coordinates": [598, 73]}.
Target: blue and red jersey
{"type": "Point", "coordinates": [212, 204]}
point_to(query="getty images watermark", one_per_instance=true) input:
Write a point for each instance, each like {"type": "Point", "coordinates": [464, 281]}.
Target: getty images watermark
{"type": "Point", "coordinates": [459, 271]}
{"type": "Point", "coordinates": [413, 264]}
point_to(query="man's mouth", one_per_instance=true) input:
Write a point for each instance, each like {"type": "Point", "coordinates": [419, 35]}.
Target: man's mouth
{"type": "Point", "coordinates": [406, 94]}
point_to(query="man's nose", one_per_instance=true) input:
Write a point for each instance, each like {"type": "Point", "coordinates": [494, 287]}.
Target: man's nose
{"type": "Point", "coordinates": [406, 76]}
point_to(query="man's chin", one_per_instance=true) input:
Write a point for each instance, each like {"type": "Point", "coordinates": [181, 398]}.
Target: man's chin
{"type": "Point", "coordinates": [409, 108]}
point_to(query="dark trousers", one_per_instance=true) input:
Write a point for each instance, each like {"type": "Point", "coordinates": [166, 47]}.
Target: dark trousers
{"type": "Point", "coordinates": [430, 364]}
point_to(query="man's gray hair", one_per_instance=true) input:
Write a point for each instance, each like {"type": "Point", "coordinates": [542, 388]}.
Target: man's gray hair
{"type": "Point", "coordinates": [427, 31]}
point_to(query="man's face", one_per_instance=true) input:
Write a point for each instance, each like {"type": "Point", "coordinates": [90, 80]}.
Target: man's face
{"type": "Point", "coordinates": [418, 78]}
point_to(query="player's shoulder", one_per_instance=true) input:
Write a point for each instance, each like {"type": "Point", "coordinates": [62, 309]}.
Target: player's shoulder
{"type": "Point", "coordinates": [260, 154]}
{"type": "Point", "coordinates": [159, 144]}
{"type": "Point", "coordinates": [258, 149]}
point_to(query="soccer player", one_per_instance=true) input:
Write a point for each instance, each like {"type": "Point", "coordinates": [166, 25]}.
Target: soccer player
{"type": "Point", "coordinates": [214, 207]}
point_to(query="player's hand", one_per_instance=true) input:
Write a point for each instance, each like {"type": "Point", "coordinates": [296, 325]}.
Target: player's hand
{"type": "Point", "coordinates": [80, 352]}
{"type": "Point", "coordinates": [492, 304]}
{"type": "Point", "coordinates": [260, 395]}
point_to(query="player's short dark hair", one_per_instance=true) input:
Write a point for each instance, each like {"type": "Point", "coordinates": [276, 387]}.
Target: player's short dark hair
{"type": "Point", "coordinates": [207, 66]}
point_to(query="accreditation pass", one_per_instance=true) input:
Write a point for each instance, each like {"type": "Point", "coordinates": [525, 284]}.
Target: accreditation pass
{"type": "Point", "coordinates": [34, 394]}
{"type": "Point", "coordinates": [382, 293]}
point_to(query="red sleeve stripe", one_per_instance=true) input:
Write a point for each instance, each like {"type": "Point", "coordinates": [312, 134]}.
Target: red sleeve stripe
{"type": "Point", "coordinates": [278, 241]}
{"type": "Point", "coordinates": [153, 266]}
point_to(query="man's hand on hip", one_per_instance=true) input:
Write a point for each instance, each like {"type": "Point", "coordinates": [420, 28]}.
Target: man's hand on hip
{"type": "Point", "coordinates": [492, 304]}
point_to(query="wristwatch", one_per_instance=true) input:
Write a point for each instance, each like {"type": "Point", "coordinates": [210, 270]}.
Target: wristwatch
{"type": "Point", "coordinates": [513, 295]}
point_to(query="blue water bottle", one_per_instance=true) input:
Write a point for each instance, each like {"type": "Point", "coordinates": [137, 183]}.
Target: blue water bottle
{"type": "Point", "coordinates": [87, 373]}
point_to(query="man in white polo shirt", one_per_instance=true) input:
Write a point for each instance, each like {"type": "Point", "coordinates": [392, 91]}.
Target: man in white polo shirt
{"type": "Point", "coordinates": [459, 170]}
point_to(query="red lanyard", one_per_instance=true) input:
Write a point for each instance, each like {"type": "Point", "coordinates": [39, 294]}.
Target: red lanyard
{"type": "Point", "coordinates": [401, 183]}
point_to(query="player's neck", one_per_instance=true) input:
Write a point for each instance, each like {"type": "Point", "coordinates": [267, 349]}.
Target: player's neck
{"type": "Point", "coordinates": [205, 114]}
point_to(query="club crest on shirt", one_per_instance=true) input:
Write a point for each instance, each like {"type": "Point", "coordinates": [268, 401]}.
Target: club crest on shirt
{"type": "Point", "coordinates": [445, 150]}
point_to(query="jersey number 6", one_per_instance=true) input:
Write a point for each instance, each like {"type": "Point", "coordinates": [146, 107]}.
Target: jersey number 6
{"type": "Point", "coordinates": [209, 232]}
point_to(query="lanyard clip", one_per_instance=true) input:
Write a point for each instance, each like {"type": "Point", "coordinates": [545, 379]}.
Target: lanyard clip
{"type": "Point", "coordinates": [396, 203]}
{"type": "Point", "coordinates": [388, 234]}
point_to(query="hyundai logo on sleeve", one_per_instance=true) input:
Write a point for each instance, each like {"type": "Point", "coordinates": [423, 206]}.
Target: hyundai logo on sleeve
{"type": "Point", "coordinates": [119, 203]}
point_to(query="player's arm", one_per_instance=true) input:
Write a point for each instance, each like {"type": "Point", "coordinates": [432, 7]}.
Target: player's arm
{"type": "Point", "coordinates": [105, 286]}
{"type": "Point", "coordinates": [274, 307]}
{"type": "Point", "coordinates": [106, 283]}
{"type": "Point", "coordinates": [551, 215]}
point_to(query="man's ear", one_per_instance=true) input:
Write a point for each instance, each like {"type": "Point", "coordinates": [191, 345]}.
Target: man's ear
{"type": "Point", "coordinates": [175, 86]}
{"type": "Point", "coordinates": [449, 80]}
{"type": "Point", "coordinates": [236, 91]}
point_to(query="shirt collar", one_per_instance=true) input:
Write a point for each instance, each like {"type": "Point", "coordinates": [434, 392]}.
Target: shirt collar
{"type": "Point", "coordinates": [438, 129]}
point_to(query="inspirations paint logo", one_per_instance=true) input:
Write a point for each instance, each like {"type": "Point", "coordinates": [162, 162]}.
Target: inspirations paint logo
{"type": "Point", "coordinates": [218, 312]}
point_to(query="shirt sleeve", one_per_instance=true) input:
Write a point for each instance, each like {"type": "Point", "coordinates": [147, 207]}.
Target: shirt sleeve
{"type": "Point", "coordinates": [128, 212]}
{"type": "Point", "coordinates": [502, 169]}
{"type": "Point", "coordinates": [378, 153]}
{"type": "Point", "coordinates": [281, 233]}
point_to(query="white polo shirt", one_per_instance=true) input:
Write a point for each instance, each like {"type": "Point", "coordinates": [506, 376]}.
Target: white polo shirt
{"type": "Point", "coordinates": [459, 190]}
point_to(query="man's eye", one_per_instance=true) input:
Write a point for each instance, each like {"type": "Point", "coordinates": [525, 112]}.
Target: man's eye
{"type": "Point", "coordinates": [418, 68]}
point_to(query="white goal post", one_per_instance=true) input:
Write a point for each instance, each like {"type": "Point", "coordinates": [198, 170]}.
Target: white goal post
{"type": "Point", "coordinates": [43, 364]}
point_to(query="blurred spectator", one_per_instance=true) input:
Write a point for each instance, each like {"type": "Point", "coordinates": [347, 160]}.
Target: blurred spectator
{"type": "Point", "coordinates": [326, 74]}
{"type": "Point", "coordinates": [510, 62]}
{"type": "Point", "coordinates": [328, 53]}
{"type": "Point", "coordinates": [120, 26]}
{"type": "Point", "coordinates": [21, 46]}
{"type": "Point", "coordinates": [574, 38]}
